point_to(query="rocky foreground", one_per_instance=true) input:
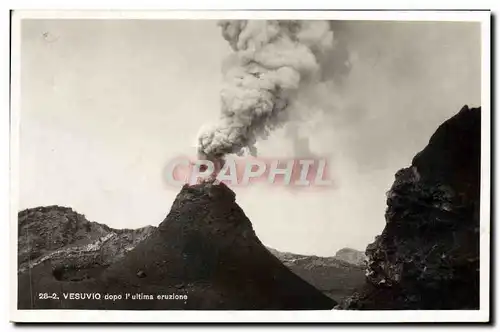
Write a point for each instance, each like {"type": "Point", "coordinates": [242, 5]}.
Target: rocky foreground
{"type": "Point", "coordinates": [205, 252]}
{"type": "Point", "coordinates": [79, 249]}
{"type": "Point", "coordinates": [427, 256]}
{"type": "Point", "coordinates": [74, 246]}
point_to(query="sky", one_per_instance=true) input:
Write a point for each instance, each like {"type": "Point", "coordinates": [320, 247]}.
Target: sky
{"type": "Point", "coordinates": [106, 104]}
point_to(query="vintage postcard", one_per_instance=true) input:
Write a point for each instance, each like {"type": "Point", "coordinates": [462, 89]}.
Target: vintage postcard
{"type": "Point", "coordinates": [250, 166]}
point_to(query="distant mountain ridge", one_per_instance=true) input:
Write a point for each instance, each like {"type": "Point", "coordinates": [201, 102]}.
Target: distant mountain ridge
{"type": "Point", "coordinates": [427, 256]}
{"type": "Point", "coordinates": [79, 249]}
{"type": "Point", "coordinates": [70, 241]}
{"type": "Point", "coordinates": [205, 251]}
{"type": "Point", "coordinates": [352, 256]}
{"type": "Point", "coordinates": [334, 276]}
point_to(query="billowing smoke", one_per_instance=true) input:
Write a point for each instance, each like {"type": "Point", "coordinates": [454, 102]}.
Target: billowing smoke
{"type": "Point", "coordinates": [273, 60]}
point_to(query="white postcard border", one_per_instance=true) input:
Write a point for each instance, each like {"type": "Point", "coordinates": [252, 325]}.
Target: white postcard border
{"type": "Point", "coordinates": [482, 315]}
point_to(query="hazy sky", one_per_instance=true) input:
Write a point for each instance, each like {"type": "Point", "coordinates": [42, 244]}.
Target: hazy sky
{"type": "Point", "coordinates": [106, 104]}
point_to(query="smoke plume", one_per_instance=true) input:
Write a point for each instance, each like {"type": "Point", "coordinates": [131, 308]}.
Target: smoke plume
{"type": "Point", "coordinates": [272, 61]}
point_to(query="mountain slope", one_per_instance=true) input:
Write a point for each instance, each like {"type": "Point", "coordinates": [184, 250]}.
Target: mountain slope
{"type": "Point", "coordinates": [74, 246]}
{"type": "Point", "coordinates": [78, 249]}
{"type": "Point", "coordinates": [205, 249]}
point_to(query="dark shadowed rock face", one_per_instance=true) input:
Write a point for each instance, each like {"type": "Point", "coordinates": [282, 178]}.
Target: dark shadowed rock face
{"type": "Point", "coordinates": [205, 249]}
{"type": "Point", "coordinates": [427, 257]}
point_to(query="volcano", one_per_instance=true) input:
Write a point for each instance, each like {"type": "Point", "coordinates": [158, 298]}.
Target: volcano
{"type": "Point", "coordinates": [205, 255]}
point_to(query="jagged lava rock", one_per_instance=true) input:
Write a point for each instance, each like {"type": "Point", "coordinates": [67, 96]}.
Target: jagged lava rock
{"type": "Point", "coordinates": [427, 256]}
{"type": "Point", "coordinates": [205, 248]}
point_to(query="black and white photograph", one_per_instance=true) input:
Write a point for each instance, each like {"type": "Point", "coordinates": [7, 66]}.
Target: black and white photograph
{"type": "Point", "coordinates": [333, 165]}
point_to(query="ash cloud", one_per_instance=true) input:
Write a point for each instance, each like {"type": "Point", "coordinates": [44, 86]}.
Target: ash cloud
{"type": "Point", "coordinates": [385, 88]}
{"type": "Point", "coordinates": [273, 61]}
{"type": "Point", "coordinates": [365, 91]}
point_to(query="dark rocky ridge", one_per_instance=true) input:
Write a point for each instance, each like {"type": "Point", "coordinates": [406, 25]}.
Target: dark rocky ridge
{"type": "Point", "coordinates": [75, 246]}
{"type": "Point", "coordinates": [206, 249]}
{"type": "Point", "coordinates": [78, 249]}
{"type": "Point", "coordinates": [427, 256]}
